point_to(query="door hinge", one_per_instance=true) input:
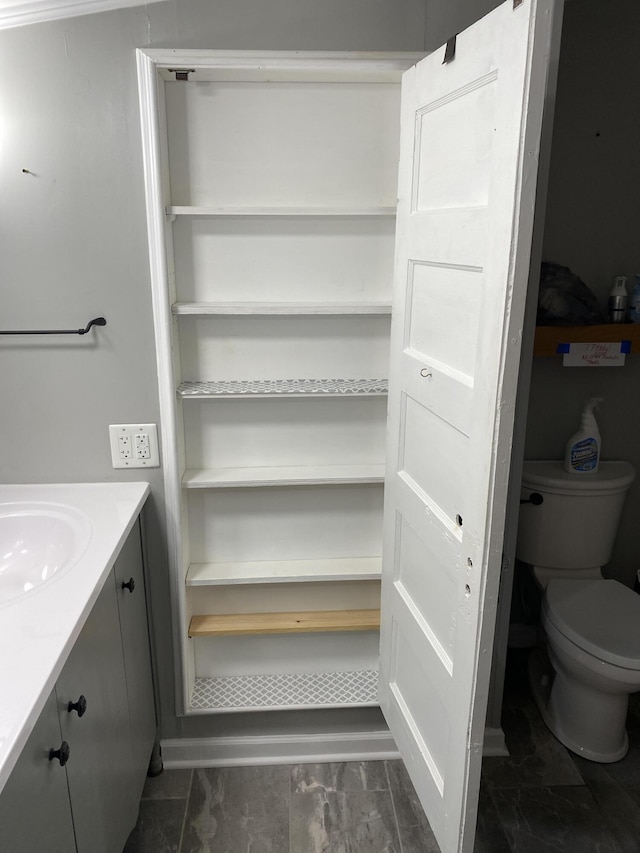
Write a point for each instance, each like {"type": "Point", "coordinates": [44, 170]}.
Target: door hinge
{"type": "Point", "coordinates": [450, 50]}
{"type": "Point", "coordinates": [182, 73]}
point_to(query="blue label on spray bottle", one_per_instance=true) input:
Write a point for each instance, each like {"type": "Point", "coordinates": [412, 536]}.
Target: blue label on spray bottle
{"type": "Point", "coordinates": [584, 455]}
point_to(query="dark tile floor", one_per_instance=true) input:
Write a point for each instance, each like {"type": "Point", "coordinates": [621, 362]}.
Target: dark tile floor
{"type": "Point", "coordinates": [541, 798]}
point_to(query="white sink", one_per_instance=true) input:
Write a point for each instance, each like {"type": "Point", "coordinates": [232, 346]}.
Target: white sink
{"type": "Point", "coordinates": [39, 542]}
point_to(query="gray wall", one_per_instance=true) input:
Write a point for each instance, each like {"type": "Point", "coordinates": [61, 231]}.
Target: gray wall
{"type": "Point", "coordinates": [445, 19]}
{"type": "Point", "coordinates": [73, 246]}
{"type": "Point", "coordinates": [593, 226]}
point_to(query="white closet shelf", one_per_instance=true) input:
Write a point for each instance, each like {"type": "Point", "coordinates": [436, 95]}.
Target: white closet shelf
{"type": "Point", "coordinates": [283, 388]}
{"type": "Point", "coordinates": [224, 309]}
{"type": "Point", "coordinates": [285, 691]}
{"type": "Point", "coordinates": [284, 571]}
{"type": "Point", "coordinates": [287, 475]}
{"type": "Point", "coordinates": [203, 210]}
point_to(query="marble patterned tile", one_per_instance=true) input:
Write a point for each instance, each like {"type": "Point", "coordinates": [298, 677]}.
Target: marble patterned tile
{"type": "Point", "coordinates": [415, 833]}
{"type": "Point", "coordinates": [169, 785]}
{"type": "Point", "coordinates": [618, 803]}
{"type": "Point", "coordinates": [490, 835]}
{"type": "Point", "coordinates": [238, 809]}
{"type": "Point", "coordinates": [339, 776]}
{"type": "Point", "coordinates": [343, 822]}
{"type": "Point", "coordinates": [159, 827]}
{"type": "Point", "coordinates": [536, 758]}
{"type": "Point", "coordinates": [542, 820]}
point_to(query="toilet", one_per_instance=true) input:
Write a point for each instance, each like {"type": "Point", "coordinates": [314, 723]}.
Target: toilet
{"type": "Point", "coordinates": [581, 682]}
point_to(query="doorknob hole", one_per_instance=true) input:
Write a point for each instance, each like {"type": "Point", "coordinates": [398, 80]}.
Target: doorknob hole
{"type": "Point", "coordinates": [459, 520]}
{"type": "Point", "coordinates": [467, 590]}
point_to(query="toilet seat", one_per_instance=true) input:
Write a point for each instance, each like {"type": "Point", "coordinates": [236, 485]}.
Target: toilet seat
{"type": "Point", "coordinates": [602, 617]}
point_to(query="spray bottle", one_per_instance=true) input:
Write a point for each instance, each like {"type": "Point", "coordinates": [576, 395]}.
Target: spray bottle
{"type": "Point", "coordinates": [583, 449]}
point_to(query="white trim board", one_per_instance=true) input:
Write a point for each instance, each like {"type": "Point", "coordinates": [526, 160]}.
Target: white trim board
{"type": "Point", "coordinates": [19, 13]}
{"type": "Point", "coordinates": [184, 753]}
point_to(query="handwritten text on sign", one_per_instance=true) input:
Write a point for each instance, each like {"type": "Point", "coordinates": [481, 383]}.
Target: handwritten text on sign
{"type": "Point", "coordinates": [595, 354]}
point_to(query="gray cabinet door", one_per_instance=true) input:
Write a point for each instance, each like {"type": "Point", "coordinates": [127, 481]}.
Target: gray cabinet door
{"type": "Point", "coordinates": [34, 804]}
{"type": "Point", "coordinates": [99, 770]}
{"type": "Point", "coordinates": [137, 659]}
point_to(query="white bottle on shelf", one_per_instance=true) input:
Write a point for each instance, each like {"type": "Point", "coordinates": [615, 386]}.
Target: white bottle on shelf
{"type": "Point", "coordinates": [634, 302]}
{"type": "Point", "coordinates": [618, 300]}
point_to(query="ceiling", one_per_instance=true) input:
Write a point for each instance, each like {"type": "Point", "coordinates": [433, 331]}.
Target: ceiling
{"type": "Point", "coordinates": [16, 13]}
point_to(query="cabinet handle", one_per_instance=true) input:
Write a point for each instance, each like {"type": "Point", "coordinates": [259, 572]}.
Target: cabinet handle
{"type": "Point", "coordinates": [130, 586]}
{"type": "Point", "coordinates": [80, 706]}
{"type": "Point", "coordinates": [61, 754]}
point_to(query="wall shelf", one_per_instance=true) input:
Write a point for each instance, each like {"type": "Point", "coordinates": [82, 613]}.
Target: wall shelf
{"type": "Point", "coordinates": [285, 691]}
{"type": "Point", "coordinates": [289, 475]}
{"type": "Point", "coordinates": [273, 256]}
{"type": "Point", "coordinates": [297, 622]}
{"type": "Point", "coordinates": [549, 338]}
{"type": "Point", "coordinates": [193, 210]}
{"type": "Point", "coordinates": [274, 388]}
{"type": "Point", "coordinates": [284, 571]}
{"type": "Point", "coordinates": [260, 309]}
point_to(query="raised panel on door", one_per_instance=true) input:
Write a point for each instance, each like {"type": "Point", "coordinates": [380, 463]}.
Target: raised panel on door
{"type": "Point", "coordinates": [99, 769]}
{"type": "Point", "coordinates": [132, 608]}
{"type": "Point", "coordinates": [34, 804]}
{"type": "Point", "coordinates": [470, 132]}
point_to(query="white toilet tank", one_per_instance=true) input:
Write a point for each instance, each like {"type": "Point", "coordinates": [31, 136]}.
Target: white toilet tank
{"type": "Point", "coordinates": [576, 524]}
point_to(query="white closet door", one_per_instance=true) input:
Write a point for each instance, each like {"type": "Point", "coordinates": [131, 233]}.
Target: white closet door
{"type": "Point", "coordinates": [468, 167]}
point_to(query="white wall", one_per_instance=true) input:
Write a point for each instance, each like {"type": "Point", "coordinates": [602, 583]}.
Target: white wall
{"type": "Point", "coordinates": [593, 226]}
{"type": "Point", "coordinates": [73, 245]}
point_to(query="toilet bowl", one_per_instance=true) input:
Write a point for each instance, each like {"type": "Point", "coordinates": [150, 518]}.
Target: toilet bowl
{"type": "Point", "coordinates": [582, 678]}
{"type": "Point", "coordinates": [593, 649]}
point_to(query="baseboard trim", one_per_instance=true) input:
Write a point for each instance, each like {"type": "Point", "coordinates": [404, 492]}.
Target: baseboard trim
{"type": "Point", "coordinates": [278, 749]}
{"type": "Point", "coordinates": [178, 753]}
{"type": "Point", "coordinates": [494, 744]}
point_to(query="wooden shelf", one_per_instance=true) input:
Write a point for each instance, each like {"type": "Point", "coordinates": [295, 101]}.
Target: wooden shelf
{"type": "Point", "coordinates": [198, 210]}
{"type": "Point", "coordinates": [284, 571]}
{"type": "Point", "coordinates": [265, 309]}
{"type": "Point", "coordinates": [549, 338]}
{"type": "Point", "coordinates": [313, 621]}
{"type": "Point", "coordinates": [290, 475]}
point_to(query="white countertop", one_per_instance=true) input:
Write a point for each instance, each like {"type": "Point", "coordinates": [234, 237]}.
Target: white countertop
{"type": "Point", "coordinates": [38, 630]}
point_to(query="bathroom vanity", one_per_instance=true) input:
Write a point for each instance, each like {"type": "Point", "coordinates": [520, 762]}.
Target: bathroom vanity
{"type": "Point", "coordinates": [77, 714]}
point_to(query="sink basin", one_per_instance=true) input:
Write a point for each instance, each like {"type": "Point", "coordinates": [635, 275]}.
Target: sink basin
{"type": "Point", "coordinates": [38, 543]}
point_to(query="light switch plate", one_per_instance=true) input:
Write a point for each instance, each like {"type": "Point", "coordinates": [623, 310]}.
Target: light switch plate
{"type": "Point", "coordinates": [134, 445]}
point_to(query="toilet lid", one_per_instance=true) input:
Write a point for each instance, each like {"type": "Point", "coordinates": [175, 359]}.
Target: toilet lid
{"type": "Point", "coordinates": [547, 476]}
{"type": "Point", "coordinates": [600, 616]}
